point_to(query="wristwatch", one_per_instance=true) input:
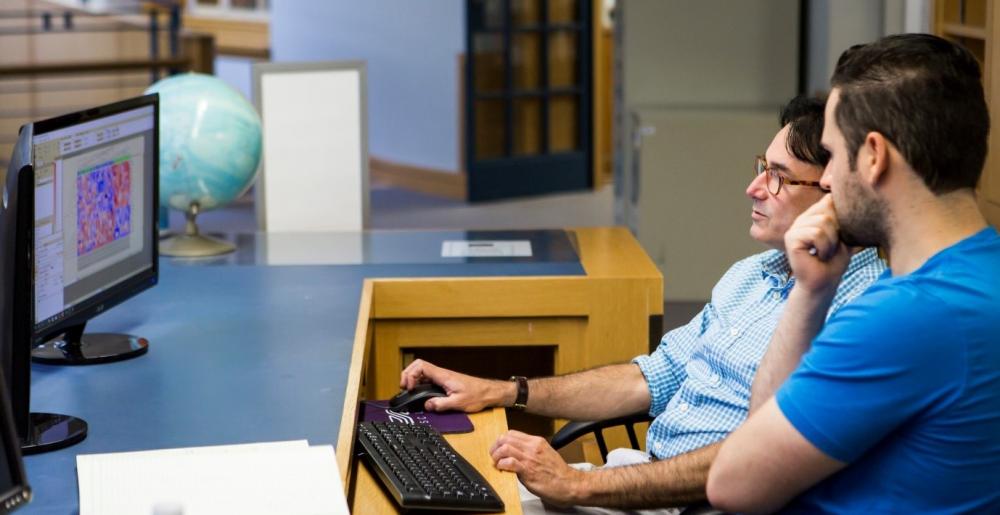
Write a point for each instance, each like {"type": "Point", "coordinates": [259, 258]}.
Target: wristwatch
{"type": "Point", "coordinates": [521, 402]}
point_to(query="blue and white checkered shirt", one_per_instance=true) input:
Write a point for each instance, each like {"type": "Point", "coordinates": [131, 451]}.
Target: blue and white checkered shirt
{"type": "Point", "coordinates": [699, 377]}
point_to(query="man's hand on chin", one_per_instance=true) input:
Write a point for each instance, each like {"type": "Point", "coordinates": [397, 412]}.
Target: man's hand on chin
{"type": "Point", "coordinates": [539, 467]}
{"type": "Point", "coordinates": [815, 253]}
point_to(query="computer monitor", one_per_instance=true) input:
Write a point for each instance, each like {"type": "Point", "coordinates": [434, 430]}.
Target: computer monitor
{"type": "Point", "coordinates": [77, 237]}
{"type": "Point", "coordinates": [95, 230]}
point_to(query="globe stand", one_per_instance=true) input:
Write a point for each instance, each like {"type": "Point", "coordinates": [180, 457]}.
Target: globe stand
{"type": "Point", "coordinates": [192, 243]}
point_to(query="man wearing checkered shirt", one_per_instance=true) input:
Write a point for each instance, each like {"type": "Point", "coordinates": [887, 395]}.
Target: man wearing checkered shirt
{"type": "Point", "coordinates": [697, 382]}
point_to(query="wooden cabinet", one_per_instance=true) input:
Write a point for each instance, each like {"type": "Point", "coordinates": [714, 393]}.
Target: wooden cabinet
{"type": "Point", "coordinates": [975, 24]}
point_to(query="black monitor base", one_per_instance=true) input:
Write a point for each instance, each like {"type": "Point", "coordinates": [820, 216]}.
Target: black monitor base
{"type": "Point", "coordinates": [49, 432]}
{"type": "Point", "coordinates": [90, 349]}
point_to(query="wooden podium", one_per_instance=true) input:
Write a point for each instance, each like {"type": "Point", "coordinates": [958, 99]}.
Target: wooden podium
{"type": "Point", "coordinates": [611, 314]}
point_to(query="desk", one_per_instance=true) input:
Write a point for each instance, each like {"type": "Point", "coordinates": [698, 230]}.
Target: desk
{"type": "Point", "coordinates": [252, 353]}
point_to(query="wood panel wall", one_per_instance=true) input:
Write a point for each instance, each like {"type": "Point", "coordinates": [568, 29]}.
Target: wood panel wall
{"type": "Point", "coordinates": [120, 39]}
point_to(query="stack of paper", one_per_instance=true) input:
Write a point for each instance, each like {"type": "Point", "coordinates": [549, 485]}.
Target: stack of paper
{"type": "Point", "coordinates": [266, 478]}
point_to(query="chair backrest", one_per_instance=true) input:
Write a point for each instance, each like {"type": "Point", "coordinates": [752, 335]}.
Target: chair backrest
{"type": "Point", "coordinates": [575, 429]}
{"type": "Point", "coordinates": [315, 155]}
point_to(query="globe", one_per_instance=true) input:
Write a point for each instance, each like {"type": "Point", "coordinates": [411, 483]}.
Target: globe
{"type": "Point", "coordinates": [210, 144]}
{"type": "Point", "coordinates": [210, 141]}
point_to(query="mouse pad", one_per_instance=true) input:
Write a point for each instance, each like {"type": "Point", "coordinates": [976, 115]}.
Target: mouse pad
{"type": "Point", "coordinates": [447, 422]}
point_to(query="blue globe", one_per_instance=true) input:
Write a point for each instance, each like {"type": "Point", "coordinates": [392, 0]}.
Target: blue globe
{"type": "Point", "coordinates": [210, 141]}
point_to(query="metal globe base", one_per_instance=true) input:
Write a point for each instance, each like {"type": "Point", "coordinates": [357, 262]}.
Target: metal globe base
{"type": "Point", "coordinates": [192, 243]}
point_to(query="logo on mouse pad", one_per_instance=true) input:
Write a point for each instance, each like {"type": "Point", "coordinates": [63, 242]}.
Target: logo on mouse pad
{"type": "Point", "coordinates": [401, 417]}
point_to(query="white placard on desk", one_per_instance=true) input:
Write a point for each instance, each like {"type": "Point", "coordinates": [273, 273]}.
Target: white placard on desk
{"type": "Point", "coordinates": [485, 248]}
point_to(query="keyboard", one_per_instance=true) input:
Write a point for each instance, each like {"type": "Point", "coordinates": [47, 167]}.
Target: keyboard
{"type": "Point", "coordinates": [421, 470]}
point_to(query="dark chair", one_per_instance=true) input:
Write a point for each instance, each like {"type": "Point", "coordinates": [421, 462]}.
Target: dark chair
{"type": "Point", "coordinates": [575, 430]}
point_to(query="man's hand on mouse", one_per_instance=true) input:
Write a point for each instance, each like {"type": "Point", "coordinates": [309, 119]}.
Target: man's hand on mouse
{"type": "Point", "coordinates": [465, 393]}
{"type": "Point", "coordinates": [539, 467]}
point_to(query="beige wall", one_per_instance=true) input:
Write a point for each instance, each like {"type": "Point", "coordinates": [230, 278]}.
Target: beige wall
{"type": "Point", "coordinates": [709, 52]}
{"type": "Point", "coordinates": [704, 80]}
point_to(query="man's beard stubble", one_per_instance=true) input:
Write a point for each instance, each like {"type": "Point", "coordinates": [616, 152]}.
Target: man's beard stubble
{"type": "Point", "coordinates": [863, 220]}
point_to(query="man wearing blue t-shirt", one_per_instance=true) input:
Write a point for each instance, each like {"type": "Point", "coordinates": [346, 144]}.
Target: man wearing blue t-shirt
{"type": "Point", "coordinates": [894, 404]}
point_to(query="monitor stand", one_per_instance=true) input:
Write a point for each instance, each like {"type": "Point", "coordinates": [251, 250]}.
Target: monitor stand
{"type": "Point", "coordinates": [76, 348]}
{"type": "Point", "coordinates": [50, 432]}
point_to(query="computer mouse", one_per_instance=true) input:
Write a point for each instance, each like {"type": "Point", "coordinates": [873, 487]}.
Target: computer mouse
{"type": "Point", "coordinates": [413, 400]}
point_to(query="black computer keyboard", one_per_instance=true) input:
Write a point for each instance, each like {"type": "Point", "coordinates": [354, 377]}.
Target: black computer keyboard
{"type": "Point", "coordinates": [421, 471]}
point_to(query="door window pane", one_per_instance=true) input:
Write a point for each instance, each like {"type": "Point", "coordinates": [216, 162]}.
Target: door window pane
{"type": "Point", "coordinates": [485, 15]}
{"type": "Point", "coordinates": [490, 123]}
{"type": "Point", "coordinates": [527, 126]}
{"type": "Point", "coordinates": [488, 68]}
{"type": "Point", "coordinates": [526, 60]}
{"type": "Point", "coordinates": [562, 11]}
{"type": "Point", "coordinates": [562, 59]}
{"type": "Point", "coordinates": [564, 120]}
{"type": "Point", "coordinates": [526, 12]}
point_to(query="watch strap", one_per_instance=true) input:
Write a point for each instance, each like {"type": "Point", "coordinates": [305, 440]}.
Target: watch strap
{"type": "Point", "coordinates": [521, 402]}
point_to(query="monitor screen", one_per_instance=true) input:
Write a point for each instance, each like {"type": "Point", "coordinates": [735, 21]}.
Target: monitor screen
{"type": "Point", "coordinates": [94, 220]}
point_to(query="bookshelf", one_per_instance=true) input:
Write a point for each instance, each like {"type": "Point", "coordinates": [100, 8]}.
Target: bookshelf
{"type": "Point", "coordinates": [973, 24]}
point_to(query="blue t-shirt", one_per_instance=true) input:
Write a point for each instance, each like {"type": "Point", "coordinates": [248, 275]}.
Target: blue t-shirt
{"type": "Point", "coordinates": [904, 385]}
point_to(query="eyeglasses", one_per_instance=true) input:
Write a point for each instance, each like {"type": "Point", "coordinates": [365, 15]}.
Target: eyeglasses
{"type": "Point", "coordinates": [776, 180]}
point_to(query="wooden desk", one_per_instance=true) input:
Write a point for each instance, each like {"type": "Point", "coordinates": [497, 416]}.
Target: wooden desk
{"type": "Point", "coordinates": [609, 315]}
{"type": "Point", "coordinates": [366, 495]}
{"type": "Point", "coordinates": [242, 354]}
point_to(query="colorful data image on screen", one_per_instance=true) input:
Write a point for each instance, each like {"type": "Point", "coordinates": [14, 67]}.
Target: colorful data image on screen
{"type": "Point", "coordinates": [103, 205]}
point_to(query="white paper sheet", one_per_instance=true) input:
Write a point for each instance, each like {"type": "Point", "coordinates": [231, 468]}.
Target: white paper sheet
{"type": "Point", "coordinates": [279, 477]}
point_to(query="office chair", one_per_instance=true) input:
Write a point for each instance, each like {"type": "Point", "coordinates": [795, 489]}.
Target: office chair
{"type": "Point", "coordinates": [574, 430]}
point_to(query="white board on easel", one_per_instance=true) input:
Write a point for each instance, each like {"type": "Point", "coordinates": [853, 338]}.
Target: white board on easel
{"type": "Point", "coordinates": [314, 175]}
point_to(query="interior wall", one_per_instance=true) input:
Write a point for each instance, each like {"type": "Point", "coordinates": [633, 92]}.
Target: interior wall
{"type": "Point", "coordinates": [709, 52]}
{"type": "Point", "coordinates": [237, 72]}
{"type": "Point", "coordinates": [702, 84]}
{"type": "Point", "coordinates": [835, 25]}
{"type": "Point", "coordinates": [411, 50]}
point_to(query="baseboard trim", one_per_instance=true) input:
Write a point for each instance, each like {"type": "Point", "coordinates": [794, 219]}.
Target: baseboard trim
{"type": "Point", "coordinates": [414, 178]}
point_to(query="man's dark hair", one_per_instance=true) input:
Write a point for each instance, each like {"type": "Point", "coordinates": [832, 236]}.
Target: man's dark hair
{"type": "Point", "coordinates": [804, 116]}
{"type": "Point", "coordinates": [925, 95]}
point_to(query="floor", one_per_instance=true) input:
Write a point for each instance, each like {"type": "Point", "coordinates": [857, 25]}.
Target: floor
{"type": "Point", "coordinates": [395, 208]}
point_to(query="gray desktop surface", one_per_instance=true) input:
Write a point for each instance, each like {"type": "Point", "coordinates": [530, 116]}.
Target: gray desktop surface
{"type": "Point", "coordinates": [237, 354]}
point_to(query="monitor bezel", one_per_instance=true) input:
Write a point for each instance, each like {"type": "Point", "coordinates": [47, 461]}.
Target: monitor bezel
{"type": "Point", "coordinates": [20, 493]}
{"type": "Point", "coordinates": [124, 290]}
